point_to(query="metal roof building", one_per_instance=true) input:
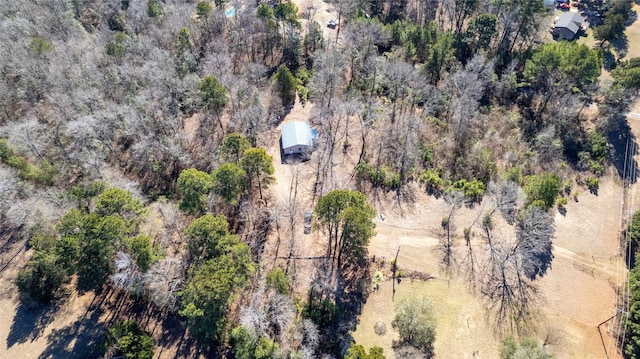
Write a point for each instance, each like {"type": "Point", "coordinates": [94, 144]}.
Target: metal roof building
{"type": "Point", "coordinates": [297, 137]}
{"type": "Point", "coordinates": [568, 25]}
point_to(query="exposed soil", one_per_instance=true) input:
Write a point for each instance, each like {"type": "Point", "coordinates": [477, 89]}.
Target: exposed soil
{"type": "Point", "coordinates": [577, 293]}
{"type": "Point", "coordinates": [632, 33]}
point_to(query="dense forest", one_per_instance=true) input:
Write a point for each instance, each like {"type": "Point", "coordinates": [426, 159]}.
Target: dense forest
{"type": "Point", "coordinates": [116, 113]}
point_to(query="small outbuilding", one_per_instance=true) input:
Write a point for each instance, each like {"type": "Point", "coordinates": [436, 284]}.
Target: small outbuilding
{"type": "Point", "coordinates": [568, 26]}
{"type": "Point", "coordinates": [297, 137]}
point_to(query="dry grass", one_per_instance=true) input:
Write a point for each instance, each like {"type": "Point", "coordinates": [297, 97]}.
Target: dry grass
{"type": "Point", "coordinates": [577, 293]}
{"type": "Point", "coordinates": [461, 328]}
{"type": "Point", "coordinates": [633, 36]}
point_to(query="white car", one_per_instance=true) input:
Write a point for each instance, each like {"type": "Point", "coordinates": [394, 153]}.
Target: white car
{"type": "Point", "coordinates": [332, 23]}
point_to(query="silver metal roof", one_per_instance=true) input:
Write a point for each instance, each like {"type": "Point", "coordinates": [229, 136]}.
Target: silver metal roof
{"type": "Point", "coordinates": [296, 133]}
{"type": "Point", "coordinates": [571, 21]}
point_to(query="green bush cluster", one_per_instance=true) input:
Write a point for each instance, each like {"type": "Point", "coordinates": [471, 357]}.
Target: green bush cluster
{"type": "Point", "coordinates": [594, 153]}
{"type": "Point", "coordinates": [432, 179]}
{"type": "Point", "coordinates": [320, 311]}
{"type": "Point", "coordinates": [130, 341]}
{"type": "Point", "coordinates": [592, 183]}
{"type": "Point", "coordinates": [379, 177]}
{"type": "Point", "coordinates": [41, 174]}
{"type": "Point", "coordinates": [473, 189]}
{"type": "Point", "coordinates": [246, 345]}
{"type": "Point", "coordinates": [118, 46]}
{"type": "Point", "coordinates": [542, 190]}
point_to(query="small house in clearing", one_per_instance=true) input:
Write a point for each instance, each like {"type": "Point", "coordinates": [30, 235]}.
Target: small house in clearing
{"type": "Point", "coordinates": [568, 26]}
{"type": "Point", "coordinates": [297, 137]}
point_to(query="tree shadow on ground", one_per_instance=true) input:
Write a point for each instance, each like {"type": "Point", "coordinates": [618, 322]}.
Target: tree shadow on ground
{"type": "Point", "coordinates": [78, 339]}
{"type": "Point", "coordinates": [608, 60]}
{"type": "Point", "coordinates": [348, 288]}
{"type": "Point", "coordinates": [621, 45]}
{"type": "Point", "coordinates": [29, 324]}
{"type": "Point", "coordinates": [83, 337]}
{"type": "Point", "coordinates": [165, 326]}
{"type": "Point", "coordinates": [622, 147]}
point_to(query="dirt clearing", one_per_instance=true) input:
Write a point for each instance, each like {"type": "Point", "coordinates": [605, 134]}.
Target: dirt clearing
{"type": "Point", "coordinates": [577, 293]}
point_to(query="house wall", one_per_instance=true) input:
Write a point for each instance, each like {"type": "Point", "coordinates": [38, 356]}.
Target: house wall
{"type": "Point", "coordinates": [296, 149]}
{"type": "Point", "coordinates": [564, 33]}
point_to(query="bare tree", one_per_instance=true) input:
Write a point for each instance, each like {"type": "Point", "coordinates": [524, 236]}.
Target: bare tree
{"type": "Point", "coordinates": [506, 199]}
{"type": "Point", "coordinates": [127, 275]}
{"type": "Point", "coordinates": [511, 298]}
{"type": "Point", "coordinates": [362, 40]}
{"type": "Point", "coordinates": [534, 233]}
{"type": "Point", "coordinates": [328, 77]}
{"type": "Point", "coordinates": [163, 281]}
{"type": "Point", "coordinates": [455, 199]}
{"type": "Point", "coordinates": [509, 289]}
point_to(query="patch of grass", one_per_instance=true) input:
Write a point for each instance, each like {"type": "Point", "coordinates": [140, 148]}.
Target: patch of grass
{"type": "Point", "coordinates": [460, 325]}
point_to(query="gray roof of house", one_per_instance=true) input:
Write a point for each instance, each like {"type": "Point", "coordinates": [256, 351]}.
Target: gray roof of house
{"type": "Point", "coordinates": [571, 21]}
{"type": "Point", "coordinates": [296, 133]}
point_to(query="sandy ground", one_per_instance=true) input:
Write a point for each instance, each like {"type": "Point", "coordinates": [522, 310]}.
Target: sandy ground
{"type": "Point", "coordinates": [320, 11]}
{"type": "Point", "coordinates": [574, 274]}
{"type": "Point", "coordinates": [633, 36]}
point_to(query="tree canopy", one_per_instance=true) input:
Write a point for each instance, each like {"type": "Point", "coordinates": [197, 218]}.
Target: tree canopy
{"type": "Point", "coordinates": [129, 340]}
{"type": "Point", "coordinates": [205, 298]}
{"type": "Point", "coordinates": [562, 63]}
{"type": "Point", "coordinates": [212, 93]}
{"type": "Point", "coordinates": [229, 182]}
{"type": "Point", "coordinates": [346, 217]}
{"type": "Point", "coordinates": [209, 237]}
{"type": "Point", "coordinates": [258, 165]}
{"type": "Point", "coordinates": [357, 351]}
{"type": "Point", "coordinates": [195, 186]}
{"type": "Point", "coordinates": [416, 324]}
{"type": "Point", "coordinates": [627, 74]}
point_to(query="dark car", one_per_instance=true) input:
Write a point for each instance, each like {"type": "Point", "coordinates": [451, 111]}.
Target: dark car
{"type": "Point", "coordinates": [307, 222]}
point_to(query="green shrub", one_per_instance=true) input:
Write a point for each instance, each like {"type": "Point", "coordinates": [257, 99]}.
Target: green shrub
{"type": "Point", "coordinates": [415, 322]}
{"type": "Point", "coordinates": [41, 174]}
{"type": "Point", "coordinates": [596, 167]}
{"type": "Point", "coordinates": [487, 222]}
{"type": "Point", "coordinates": [473, 189]}
{"type": "Point", "coordinates": [597, 146]}
{"type": "Point", "coordinates": [514, 174]}
{"type": "Point", "coordinates": [303, 93]}
{"type": "Point", "coordinates": [562, 202]}
{"type": "Point", "coordinates": [39, 45]}
{"type": "Point", "coordinates": [592, 183]}
{"type": "Point", "coordinates": [130, 340]}
{"type": "Point", "coordinates": [42, 280]}
{"type": "Point", "coordinates": [379, 177]}
{"type": "Point", "coordinates": [445, 221]}
{"type": "Point", "coordinates": [320, 311]}
{"type": "Point", "coordinates": [118, 46]}
{"type": "Point", "coordinates": [278, 280]}
{"type": "Point", "coordinates": [432, 179]}
{"type": "Point", "coordinates": [436, 122]}
{"type": "Point", "coordinates": [542, 190]}
{"type": "Point", "coordinates": [427, 154]}
{"type": "Point", "coordinates": [154, 9]}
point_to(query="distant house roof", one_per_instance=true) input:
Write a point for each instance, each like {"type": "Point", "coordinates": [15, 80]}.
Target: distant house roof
{"type": "Point", "coordinates": [297, 133]}
{"type": "Point", "coordinates": [571, 21]}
